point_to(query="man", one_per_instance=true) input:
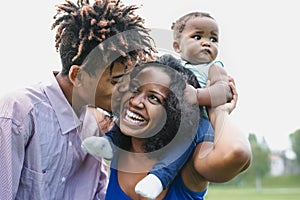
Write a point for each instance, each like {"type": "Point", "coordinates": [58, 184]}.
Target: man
{"type": "Point", "coordinates": [41, 127]}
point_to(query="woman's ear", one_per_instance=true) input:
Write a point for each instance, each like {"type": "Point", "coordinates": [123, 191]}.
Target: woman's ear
{"type": "Point", "coordinates": [176, 47]}
{"type": "Point", "coordinates": [75, 75]}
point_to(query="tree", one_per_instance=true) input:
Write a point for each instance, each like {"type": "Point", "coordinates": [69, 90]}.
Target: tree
{"type": "Point", "coordinates": [261, 160]}
{"type": "Point", "coordinates": [295, 140]}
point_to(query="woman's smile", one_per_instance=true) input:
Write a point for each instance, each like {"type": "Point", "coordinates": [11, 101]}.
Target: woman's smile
{"type": "Point", "coordinates": [134, 118]}
{"type": "Point", "coordinates": [142, 111]}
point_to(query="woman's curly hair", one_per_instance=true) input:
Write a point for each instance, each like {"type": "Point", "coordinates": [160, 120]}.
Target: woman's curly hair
{"type": "Point", "coordinates": [83, 26]}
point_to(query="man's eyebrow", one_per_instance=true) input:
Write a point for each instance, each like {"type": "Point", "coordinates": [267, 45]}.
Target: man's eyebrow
{"type": "Point", "coordinates": [111, 72]}
{"type": "Point", "coordinates": [120, 75]}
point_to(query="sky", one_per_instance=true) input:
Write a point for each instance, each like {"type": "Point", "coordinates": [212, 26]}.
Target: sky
{"type": "Point", "coordinates": [259, 44]}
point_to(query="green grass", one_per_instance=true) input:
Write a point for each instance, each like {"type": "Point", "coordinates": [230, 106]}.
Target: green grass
{"type": "Point", "coordinates": [282, 181]}
{"type": "Point", "coordinates": [273, 188]}
{"type": "Point", "coordinates": [226, 193]}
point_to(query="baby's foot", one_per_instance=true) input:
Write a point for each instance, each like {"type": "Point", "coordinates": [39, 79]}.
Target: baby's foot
{"type": "Point", "coordinates": [97, 146]}
{"type": "Point", "coordinates": [149, 187]}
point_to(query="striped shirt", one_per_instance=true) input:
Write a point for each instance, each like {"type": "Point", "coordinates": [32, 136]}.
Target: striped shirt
{"type": "Point", "coordinates": [41, 157]}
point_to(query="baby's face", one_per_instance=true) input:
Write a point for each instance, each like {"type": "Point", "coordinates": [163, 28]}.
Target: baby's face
{"type": "Point", "coordinates": [199, 41]}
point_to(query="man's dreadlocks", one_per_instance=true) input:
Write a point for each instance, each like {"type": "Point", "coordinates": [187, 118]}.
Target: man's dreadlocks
{"type": "Point", "coordinates": [82, 27]}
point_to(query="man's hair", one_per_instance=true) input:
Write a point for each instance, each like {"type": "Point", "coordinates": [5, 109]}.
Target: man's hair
{"type": "Point", "coordinates": [179, 25]}
{"type": "Point", "coordinates": [83, 26]}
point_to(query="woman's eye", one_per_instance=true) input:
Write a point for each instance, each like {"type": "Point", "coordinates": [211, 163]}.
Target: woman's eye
{"type": "Point", "coordinates": [154, 99]}
{"type": "Point", "coordinates": [197, 37]}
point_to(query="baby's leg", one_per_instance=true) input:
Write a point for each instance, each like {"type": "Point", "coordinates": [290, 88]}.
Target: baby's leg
{"type": "Point", "coordinates": [164, 172]}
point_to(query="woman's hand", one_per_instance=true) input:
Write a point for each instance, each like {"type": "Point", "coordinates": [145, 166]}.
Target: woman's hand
{"type": "Point", "coordinates": [230, 106]}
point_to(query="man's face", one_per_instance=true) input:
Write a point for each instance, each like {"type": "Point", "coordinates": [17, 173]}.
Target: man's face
{"type": "Point", "coordinates": [108, 80]}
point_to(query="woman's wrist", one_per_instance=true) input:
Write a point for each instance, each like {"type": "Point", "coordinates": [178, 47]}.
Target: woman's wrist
{"type": "Point", "coordinates": [216, 113]}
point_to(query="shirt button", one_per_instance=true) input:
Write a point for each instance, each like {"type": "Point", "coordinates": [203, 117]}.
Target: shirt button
{"type": "Point", "coordinates": [63, 179]}
{"type": "Point", "coordinates": [70, 143]}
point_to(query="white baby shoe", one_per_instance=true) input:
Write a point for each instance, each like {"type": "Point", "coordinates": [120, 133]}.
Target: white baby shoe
{"type": "Point", "coordinates": [99, 147]}
{"type": "Point", "coordinates": [149, 187]}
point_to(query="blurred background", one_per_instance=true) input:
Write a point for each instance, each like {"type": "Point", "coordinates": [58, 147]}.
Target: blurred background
{"type": "Point", "coordinates": [259, 44]}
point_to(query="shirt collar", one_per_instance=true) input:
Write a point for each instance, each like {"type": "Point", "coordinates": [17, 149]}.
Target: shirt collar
{"type": "Point", "coordinates": [66, 116]}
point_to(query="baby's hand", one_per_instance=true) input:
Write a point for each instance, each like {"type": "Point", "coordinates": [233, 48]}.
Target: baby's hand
{"type": "Point", "coordinates": [229, 106]}
{"type": "Point", "coordinates": [190, 93]}
{"type": "Point", "coordinates": [220, 91]}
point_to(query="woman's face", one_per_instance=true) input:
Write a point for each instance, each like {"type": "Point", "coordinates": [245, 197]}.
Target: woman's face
{"type": "Point", "coordinates": [142, 113]}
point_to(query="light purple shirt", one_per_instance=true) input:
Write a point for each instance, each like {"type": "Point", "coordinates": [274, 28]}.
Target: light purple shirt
{"type": "Point", "coordinates": [40, 153]}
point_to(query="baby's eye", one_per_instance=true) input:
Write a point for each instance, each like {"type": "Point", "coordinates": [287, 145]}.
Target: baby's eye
{"type": "Point", "coordinates": [214, 39]}
{"type": "Point", "coordinates": [196, 37]}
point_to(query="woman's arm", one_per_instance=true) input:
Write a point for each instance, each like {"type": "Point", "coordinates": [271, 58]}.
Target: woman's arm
{"type": "Point", "coordinates": [227, 157]}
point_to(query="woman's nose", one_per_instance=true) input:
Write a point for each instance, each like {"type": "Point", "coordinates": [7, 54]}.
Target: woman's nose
{"type": "Point", "coordinates": [137, 100]}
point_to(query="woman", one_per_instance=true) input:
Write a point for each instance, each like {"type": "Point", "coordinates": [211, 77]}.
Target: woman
{"type": "Point", "coordinates": [151, 115]}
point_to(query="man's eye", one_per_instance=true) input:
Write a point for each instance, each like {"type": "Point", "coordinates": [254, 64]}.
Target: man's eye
{"type": "Point", "coordinates": [196, 37]}
{"type": "Point", "coordinates": [114, 81]}
{"type": "Point", "coordinates": [117, 79]}
{"type": "Point", "coordinates": [133, 88]}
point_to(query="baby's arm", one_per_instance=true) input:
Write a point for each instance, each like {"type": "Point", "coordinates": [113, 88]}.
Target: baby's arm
{"type": "Point", "coordinates": [218, 91]}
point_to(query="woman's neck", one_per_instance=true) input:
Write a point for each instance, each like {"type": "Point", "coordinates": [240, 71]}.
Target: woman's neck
{"type": "Point", "coordinates": [133, 167]}
{"type": "Point", "coordinates": [137, 145]}
{"type": "Point", "coordinates": [135, 162]}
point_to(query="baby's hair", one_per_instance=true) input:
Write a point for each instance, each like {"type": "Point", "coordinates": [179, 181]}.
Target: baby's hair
{"type": "Point", "coordinates": [179, 25]}
{"type": "Point", "coordinates": [81, 27]}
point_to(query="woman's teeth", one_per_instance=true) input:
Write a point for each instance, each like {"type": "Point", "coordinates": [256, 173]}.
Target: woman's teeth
{"type": "Point", "coordinates": [132, 117]}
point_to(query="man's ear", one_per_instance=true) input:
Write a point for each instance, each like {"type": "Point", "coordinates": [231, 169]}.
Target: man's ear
{"type": "Point", "coordinates": [176, 47]}
{"type": "Point", "coordinates": [75, 75]}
